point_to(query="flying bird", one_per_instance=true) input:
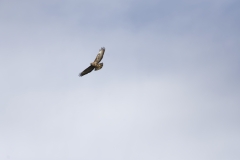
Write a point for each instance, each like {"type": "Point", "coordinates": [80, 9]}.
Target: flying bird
{"type": "Point", "coordinates": [95, 65]}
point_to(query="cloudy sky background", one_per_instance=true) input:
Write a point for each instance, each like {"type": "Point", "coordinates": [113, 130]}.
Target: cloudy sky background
{"type": "Point", "coordinates": [169, 88]}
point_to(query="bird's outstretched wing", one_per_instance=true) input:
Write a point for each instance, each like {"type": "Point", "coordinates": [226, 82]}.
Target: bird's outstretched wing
{"type": "Point", "coordinates": [87, 70]}
{"type": "Point", "coordinates": [100, 55]}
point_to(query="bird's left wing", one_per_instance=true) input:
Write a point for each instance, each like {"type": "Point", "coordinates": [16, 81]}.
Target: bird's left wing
{"type": "Point", "coordinates": [100, 55]}
{"type": "Point", "coordinates": [87, 70]}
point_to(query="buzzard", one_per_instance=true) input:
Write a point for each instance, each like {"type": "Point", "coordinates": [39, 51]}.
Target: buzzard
{"type": "Point", "coordinates": [95, 65]}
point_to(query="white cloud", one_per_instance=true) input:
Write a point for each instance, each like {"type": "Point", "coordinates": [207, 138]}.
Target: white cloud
{"type": "Point", "coordinates": [168, 90]}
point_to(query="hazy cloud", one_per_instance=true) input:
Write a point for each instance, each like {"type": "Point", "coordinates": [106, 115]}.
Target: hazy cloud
{"type": "Point", "coordinates": [169, 88]}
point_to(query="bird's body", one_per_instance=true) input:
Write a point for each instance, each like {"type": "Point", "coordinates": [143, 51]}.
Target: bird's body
{"type": "Point", "coordinates": [95, 65]}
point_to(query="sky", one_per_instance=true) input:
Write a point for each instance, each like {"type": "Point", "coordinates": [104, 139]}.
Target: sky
{"type": "Point", "coordinates": [169, 88]}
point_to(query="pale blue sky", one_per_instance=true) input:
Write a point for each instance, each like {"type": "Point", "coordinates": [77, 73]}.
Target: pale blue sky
{"type": "Point", "coordinates": [169, 88]}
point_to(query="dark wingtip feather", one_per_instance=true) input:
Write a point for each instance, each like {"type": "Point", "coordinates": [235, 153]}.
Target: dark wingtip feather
{"type": "Point", "coordinates": [86, 71]}
{"type": "Point", "coordinates": [81, 74]}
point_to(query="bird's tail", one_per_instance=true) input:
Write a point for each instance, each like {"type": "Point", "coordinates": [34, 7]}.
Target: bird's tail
{"type": "Point", "coordinates": [99, 66]}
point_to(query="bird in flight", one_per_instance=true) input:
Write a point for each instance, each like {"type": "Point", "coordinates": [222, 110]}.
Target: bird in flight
{"type": "Point", "coordinates": [94, 65]}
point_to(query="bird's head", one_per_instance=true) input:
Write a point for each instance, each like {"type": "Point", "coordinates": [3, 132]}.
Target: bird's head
{"type": "Point", "coordinates": [93, 64]}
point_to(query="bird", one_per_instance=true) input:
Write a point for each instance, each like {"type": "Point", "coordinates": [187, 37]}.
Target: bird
{"type": "Point", "coordinates": [94, 65]}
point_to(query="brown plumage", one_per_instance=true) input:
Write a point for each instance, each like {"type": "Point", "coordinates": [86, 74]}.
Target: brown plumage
{"type": "Point", "coordinates": [95, 65]}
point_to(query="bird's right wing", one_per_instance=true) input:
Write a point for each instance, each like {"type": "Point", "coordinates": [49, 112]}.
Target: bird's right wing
{"type": "Point", "coordinates": [87, 70]}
